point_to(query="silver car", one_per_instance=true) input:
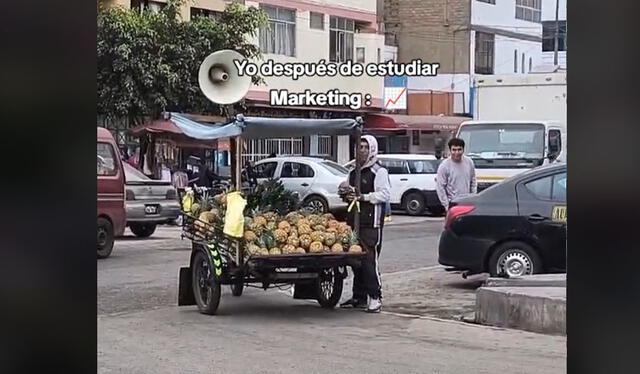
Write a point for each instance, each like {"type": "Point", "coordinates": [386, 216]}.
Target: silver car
{"type": "Point", "coordinates": [149, 202]}
{"type": "Point", "coordinates": [315, 180]}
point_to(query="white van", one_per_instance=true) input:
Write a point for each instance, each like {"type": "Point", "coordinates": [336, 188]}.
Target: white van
{"type": "Point", "coordinates": [413, 182]}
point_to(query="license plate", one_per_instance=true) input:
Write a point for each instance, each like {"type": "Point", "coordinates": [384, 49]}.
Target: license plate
{"type": "Point", "coordinates": [151, 209]}
{"type": "Point", "coordinates": [559, 214]}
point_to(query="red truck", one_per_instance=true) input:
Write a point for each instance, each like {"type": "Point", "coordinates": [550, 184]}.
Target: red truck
{"type": "Point", "coordinates": [111, 198]}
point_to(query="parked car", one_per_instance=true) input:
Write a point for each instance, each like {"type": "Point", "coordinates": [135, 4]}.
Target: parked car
{"type": "Point", "coordinates": [110, 199]}
{"type": "Point", "coordinates": [149, 202]}
{"type": "Point", "coordinates": [517, 227]}
{"type": "Point", "coordinates": [413, 183]}
{"type": "Point", "coordinates": [315, 180]}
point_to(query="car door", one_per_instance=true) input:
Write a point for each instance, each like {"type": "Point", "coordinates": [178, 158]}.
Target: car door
{"type": "Point", "coordinates": [399, 177]}
{"type": "Point", "coordinates": [542, 203]}
{"type": "Point", "coordinates": [297, 177]}
{"type": "Point", "coordinates": [265, 170]}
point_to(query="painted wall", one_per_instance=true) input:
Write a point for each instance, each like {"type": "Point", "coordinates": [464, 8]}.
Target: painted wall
{"type": "Point", "coordinates": [502, 15]}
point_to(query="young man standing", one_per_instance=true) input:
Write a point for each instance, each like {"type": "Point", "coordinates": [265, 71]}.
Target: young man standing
{"type": "Point", "coordinates": [374, 194]}
{"type": "Point", "coordinates": [456, 174]}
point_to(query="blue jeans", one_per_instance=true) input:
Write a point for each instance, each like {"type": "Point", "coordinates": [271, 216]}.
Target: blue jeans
{"type": "Point", "coordinates": [387, 209]}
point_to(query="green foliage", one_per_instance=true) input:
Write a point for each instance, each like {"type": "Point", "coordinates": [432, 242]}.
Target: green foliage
{"type": "Point", "coordinates": [272, 196]}
{"type": "Point", "coordinates": [148, 62]}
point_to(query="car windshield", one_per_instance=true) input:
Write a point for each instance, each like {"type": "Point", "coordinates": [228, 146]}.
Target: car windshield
{"type": "Point", "coordinates": [334, 168]}
{"type": "Point", "coordinates": [132, 174]}
{"type": "Point", "coordinates": [503, 141]}
{"type": "Point", "coordinates": [423, 166]}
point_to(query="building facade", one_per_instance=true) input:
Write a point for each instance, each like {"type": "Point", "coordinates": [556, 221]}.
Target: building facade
{"type": "Point", "coordinates": [468, 38]}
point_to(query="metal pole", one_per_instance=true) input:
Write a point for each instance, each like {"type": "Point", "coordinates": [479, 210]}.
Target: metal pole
{"type": "Point", "coordinates": [556, 34]}
{"type": "Point", "coordinates": [356, 216]}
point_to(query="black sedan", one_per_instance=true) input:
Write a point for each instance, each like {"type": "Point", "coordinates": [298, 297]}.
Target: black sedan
{"type": "Point", "coordinates": [517, 227]}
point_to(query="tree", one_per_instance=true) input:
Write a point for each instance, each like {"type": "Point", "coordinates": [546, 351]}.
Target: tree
{"type": "Point", "coordinates": [148, 62]}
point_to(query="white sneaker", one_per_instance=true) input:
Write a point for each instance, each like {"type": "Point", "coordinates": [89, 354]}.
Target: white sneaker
{"type": "Point", "coordinates": [375, 305]}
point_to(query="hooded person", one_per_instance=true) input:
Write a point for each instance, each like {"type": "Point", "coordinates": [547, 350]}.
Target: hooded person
{"type": "Point", "coordinates": [374, 194]}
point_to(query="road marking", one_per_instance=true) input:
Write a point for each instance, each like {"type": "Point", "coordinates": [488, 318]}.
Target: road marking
{"type": "Point", "coordinates": [414, 270]}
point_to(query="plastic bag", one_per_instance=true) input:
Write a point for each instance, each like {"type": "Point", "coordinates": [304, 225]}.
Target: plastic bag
{"type": "Point", "coordinates": [187, 200]}
{"type": "Point", "coordinates": [234, 218]}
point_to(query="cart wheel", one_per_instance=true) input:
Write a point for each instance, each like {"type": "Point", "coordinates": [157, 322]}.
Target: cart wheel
{"type": "Point", "coordinates": [329, 288]}
{"type": "Point", "coordinates": [207, 294]}
{"type": "Point", "coordinates": [236, 288]}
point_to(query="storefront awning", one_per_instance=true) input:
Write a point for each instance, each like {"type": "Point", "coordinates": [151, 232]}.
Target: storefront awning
{"type": "Point", "coordinates": [395, 122]}
{"type": "Point", "coordinates": [168, 130]}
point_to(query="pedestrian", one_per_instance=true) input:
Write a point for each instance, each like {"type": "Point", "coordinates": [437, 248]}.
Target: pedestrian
{"type": "Point", "coordinates": [456, 175]}
{"type": "Point", "coordinates": [374, 194]}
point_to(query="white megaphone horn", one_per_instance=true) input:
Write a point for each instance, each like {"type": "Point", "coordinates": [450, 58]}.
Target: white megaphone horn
{"type": "Point", "coordinates": [219, 79]}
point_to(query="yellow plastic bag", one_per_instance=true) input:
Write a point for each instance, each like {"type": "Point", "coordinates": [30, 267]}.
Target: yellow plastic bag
{"type": "Point", "coordinates": [187, 200]}
{"type": "Point", "coordinates": [234, 218]}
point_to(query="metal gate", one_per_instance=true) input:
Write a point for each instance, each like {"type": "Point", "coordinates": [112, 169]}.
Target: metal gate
{"type": "Point", "coordinates": [257, 149]}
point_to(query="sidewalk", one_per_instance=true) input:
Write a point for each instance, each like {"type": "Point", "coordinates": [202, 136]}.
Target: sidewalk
{"type": "Point", "coordinates": [399, 219]}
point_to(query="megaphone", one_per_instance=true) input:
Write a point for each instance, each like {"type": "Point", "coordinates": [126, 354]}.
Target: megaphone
{"type": "Point", "coordinates": [219, 79]}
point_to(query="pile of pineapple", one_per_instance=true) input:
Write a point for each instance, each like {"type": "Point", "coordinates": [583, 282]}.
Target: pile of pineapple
{"type": "Point", "coordinates": [209, 210]}
{"type": "Point", "coordinates": [267, 234]}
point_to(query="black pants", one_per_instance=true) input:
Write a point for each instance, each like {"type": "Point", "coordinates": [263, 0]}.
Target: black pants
{"type": "Point", "coordinates": [366, 278]}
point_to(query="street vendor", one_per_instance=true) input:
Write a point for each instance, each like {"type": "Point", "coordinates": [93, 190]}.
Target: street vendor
{"type": "Point", "coordinates": [374, 194]}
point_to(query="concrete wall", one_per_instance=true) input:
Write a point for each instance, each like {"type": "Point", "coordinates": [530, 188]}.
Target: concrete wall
{"type": "Point", "coordinates": [502, 15]}
{"type": "Point", "coordinates": [457, 83]}
{"type": "Point", "coordinates": [425, 29]}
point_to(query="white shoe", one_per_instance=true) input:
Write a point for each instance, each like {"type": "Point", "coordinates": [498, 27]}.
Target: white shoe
{"type": "Point", "coordinates": [374, 306]}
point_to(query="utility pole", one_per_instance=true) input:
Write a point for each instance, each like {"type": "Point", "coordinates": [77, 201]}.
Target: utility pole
{"type": "Point", "coordinates": [556, 34]}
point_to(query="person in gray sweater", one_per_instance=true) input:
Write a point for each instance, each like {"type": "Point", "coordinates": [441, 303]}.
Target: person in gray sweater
{"type": "Point", "coordinates": [456, 175]}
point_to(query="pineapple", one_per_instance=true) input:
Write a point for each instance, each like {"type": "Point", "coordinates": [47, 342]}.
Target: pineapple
{"type": "Point", "coordinates": [300, 250]}
{"type": "Point", "coordinates": [268, 239]}
{"type": "Point", "coordinates": [253, 249]}
{"type": "Point", "coordinates": [303, 222]}
{"type": "Point", "coordinates": [221, 199]}
{"type": "Point", "coordinates": [328, 216]}
{"type": "Point", "coordinates": [319, 228]}
{"type": "Point", "coordinates": [304, 229]}
{"type": "Point", "coordinates": [326, 249]}
{"type": "Point", "coordinates": [275, 251]}
{"type": "Point", "coordinates": [293, 232]}
{"type": "Point", "coordinates": [332, 230]}
{"type": "Point", "coordinates": [195, 209]}
{"type": "Point", "coordinates": [317, 236]}
{"type": "Point", "coordinates": [271, 225]}
{"type": "Point", "coordinates": [294, 241]}
{"type": "Point", "coordinates": [333, 224]}
{"type": "Point", "coordinates": [284, 225]}
{"type": "Point", "coordinates": [305, 240]}
{"type": "Point", "coordinates": [315, 219]}
{"type": "Point", "coordinates": [337, 248]}
{"type": "Point", "coordinates": [354, 247]}
{"type": "Point", "coordinates": [260, 221]}
{"type": "Point", "coordinates": [343, 227]}
{"type": "Point", "coordinates": [288, 249]}
{"type": "Point", "coordinates": [270, 216]}
{"type": "Point", "coordinates": [250, 236]}
{"type": "Point", "coordinates": [263, 252]}
{"type": "Point", "coordinates": [293, 217]}
{"type": "Point", "coordinates": [329, 238]}
{"type": "Point", "coordinates": [316, 247]}
{"type": "Point", "coordinates": [281, 236]}
{"type": "Point", "coordinates": [248, 221]}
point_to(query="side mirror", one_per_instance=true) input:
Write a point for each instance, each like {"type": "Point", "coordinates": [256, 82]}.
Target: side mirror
{"type": "Point", "coordinates": [554, 145]}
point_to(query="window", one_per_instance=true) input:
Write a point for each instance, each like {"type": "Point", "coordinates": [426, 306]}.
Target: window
{"type": "Point", "coordinates": [484, 53]}
{"type": "Point", "coordinates": [132, 174]}
{"type": "Point", "coordinates": [522, 67]}
{"type": "Point", "coordinates": [296, 170]}
{"type": "Point", "coordinates": [529, 10]}
{"type": "Point", "coordinates": [360, 55]}
{"type": "Point", "coordinates": [316, 21]}
{"type": "Point", "coordinates": [395, 166]}
{"type": "Point", "coordinates": [423, 166]}
{"type": "Point", "coordinates": [199, 12]}
{"type": "Point", "coordinates": [379, 60]}
{"type": "Point", "coordinates": [559, 187]}
{"type": "Point", "coordinates": [341, 31]}
{"type": "Point", "coordinates": [154, 6]}
{"type": "Point", "coordinates": [265, 170]}
{"type": "Point", "coordinates": [540, 188]}
{"type": "Point", "coordinates": [515, 60]}
{"type": "Point", "coordinates": [488, 1]}
{"type": "Point", "coordinates": [548, 35]}
{"type": "Point", "coordinates": [530, 63]}
{"type": "Point", "coordinates": [278, 37]}
{"type": "Point", "coordinates": [335, 169]}
{"type": "Point", "coordinates": [106, 160]}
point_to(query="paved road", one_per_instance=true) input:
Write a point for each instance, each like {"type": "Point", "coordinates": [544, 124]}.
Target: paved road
{"type": "Point", "coordinates": [141, 330]}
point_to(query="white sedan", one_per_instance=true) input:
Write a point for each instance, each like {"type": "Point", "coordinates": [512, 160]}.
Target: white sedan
{"type": "Point", "coordinates": [315, 180]}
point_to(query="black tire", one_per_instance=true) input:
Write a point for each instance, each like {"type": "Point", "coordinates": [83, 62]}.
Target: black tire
{"type": "Point", "coordinates": [524, 259]}
{"type": "Point", "coordinates": [105, 237]}
{"type": "Point", "coordinates": [316, 203]}
{"type": "Point", "coordinates": [437, 211]}
{"type": "Point", "coordinates": [329, 287]}
{"type": "Point", "coordinates": [207, 294]}
{"type": "Point", "coordinates": [142, 230]}
{"type": "Point", "coordinates": [237, 288]}
{"type": "Point", "coordinates": [413, 203]}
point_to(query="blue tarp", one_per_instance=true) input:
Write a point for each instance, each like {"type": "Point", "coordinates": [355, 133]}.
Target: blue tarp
{"type": "Point", "coordinates": [260, 127]}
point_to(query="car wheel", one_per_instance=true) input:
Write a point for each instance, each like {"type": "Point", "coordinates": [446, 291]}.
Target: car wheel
{"type": "Point", "coordinates": [413, 203]}
{"type": "Point", "coordinates": [316, 204]}
{"type": "Point", "coordinates": [514, 259]}
{"type": "Point", "coordinates": [105, 238]}
{"type": "Point", "coordinates": [143, 230]}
